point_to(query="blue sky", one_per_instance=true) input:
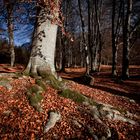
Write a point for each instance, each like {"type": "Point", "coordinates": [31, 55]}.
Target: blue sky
{"type": "Point", "coordinates": [23, 35]}
{"type": "Point", "coordinates": [23, 22]}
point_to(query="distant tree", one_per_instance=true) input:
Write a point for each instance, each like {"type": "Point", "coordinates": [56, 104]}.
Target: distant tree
{"type": "Point", "coordinates": [116, 27]}
{"type": "Point", "coordinates": [97, 37]}
{"type": "Point", "coordinates": [86, 47]}
{"type": "Point", "coordinates": [126, 39]}
{"type": "Point", "coordinates": [9, 6]}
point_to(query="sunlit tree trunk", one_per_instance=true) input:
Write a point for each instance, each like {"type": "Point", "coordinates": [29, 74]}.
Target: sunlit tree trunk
{"type": "Point", "coordinates": [43, 47]}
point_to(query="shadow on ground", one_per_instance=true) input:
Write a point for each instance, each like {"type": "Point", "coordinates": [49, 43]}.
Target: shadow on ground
{"type": "Point", "coordinates": [103, 81]}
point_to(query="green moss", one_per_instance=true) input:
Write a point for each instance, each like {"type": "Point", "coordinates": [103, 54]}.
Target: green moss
{"type": "Point", "coordinates": [75, 96]}
{"type": "Point", "coordinates": [25, 73]}
{"type": "Point", "coordinates": [18, 74]}
{"type": "Point", "coordinates": [93, 103]}
{"type": "Point", "coordinates": [41, 83]}
{"type": "Point", "coordinates": [34, 75]}
{"type": "Point", "coordinates": [4, 79]}
{"type": "Point", "coordinates": [79, 98]}
{"type": "Point", "coordinates": [34, 96]}
{"type": "Point", "coordinates": [35, 89]}
{"type": "Point", "coordinates": [55, 83]}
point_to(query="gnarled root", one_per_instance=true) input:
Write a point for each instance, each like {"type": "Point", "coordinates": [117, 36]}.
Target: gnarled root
{"type": "Point", "coordinates": [53, 118]}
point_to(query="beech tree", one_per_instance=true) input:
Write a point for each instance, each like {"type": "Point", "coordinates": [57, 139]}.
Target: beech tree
{"type": "Point", "coordinates": [126, 40]}
{"type": "Point", "coordinates": [43, 46]}
{"type": "Point", "coordinates": [10, 32]}
{"type": "Point", "coordinates": [9, 7]}
{"type": "Point", "coordinates": [86, 47]}
{"type": "Point", "coordinates": [116, 28]}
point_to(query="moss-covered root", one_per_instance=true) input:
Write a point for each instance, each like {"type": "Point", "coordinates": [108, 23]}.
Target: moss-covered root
{"type": "Point", "coordinates": [53, 81]}
{"type": "Point", "coordinates": [75, 96]}
{"type": "Point", "coordinates": [41, 83]}
{"type": "Point", "coordinates": [78, 97]}
{"type": "Point", "coordinates": [34, 95]}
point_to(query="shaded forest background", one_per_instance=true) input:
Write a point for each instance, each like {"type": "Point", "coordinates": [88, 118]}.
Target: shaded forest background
{"type": "Point", "coordinates": [87, 23]}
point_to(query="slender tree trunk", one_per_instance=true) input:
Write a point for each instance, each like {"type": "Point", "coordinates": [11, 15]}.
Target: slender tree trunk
{"type": "Point", "coordinates": [95, 59]}
{"type": "Point", "coordinates": [114, 60]}
{"type": "Point", "coordinates": [98, 9]}
{"type": "Point", "coordinates": [114, 49]}
{"type": "Point", "coordinates": [89, 34]}
{"type": "Point", "coordinates": [84, 40]}
{"type": "Point", "coordinates": [100, 56]}
{"type": "Point", "coordinates": [10, 32]}
{"type": "Point", "coordinates": [96, 43]}
{"type": "Point", "coordinates": [116, 25]}
{"type": "Point", "coordinates": [126, 41]}
{"type": "Point", "coordinates": [63, 40]}
{"type": "Point", "coordinates": [43, 47]}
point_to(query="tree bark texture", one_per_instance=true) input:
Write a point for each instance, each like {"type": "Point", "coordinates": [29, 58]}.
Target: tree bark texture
{"type": "Point", "coordinates": [84, 40]}
{"type": "Point", "coordinates": [43, 46]}
{"type": "Point", "coordinates": [114, 47]}
{"type": "Point", "coordinates": [126, 41]}
{"type": "Point", "coordinates": [10, 33]}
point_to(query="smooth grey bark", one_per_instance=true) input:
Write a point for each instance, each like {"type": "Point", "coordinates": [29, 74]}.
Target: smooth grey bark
{"type": "Point", "coordinates": [94, 12]}
{"type": "Point", "coordinates": [89, 33]}
{"type": "Point", "coordinates": [94, 63]}
{"type": "Point", "coordinates": [126, 41]}
{"type": "Point", "coordinates": [98, 8]}
{"type": "Point", "coordinates": [116, 25]}
{"type": "Point", "coordinates": [43, 46]}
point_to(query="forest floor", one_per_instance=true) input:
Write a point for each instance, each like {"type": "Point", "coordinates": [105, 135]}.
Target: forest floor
{"type": "Point", "coordinates": [19, 120]}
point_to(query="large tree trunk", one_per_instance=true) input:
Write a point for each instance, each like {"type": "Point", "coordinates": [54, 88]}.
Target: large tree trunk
{"type": "Point", "coordinates": [43, 47]}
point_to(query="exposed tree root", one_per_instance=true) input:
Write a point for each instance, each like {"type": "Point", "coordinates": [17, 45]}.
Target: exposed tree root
{"type": "Point", "coordinates": [53, 118]}
{"type": "Point", "coordinates": [99, 111]}
{"type": "Point", "coordinates": [108, 112]}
